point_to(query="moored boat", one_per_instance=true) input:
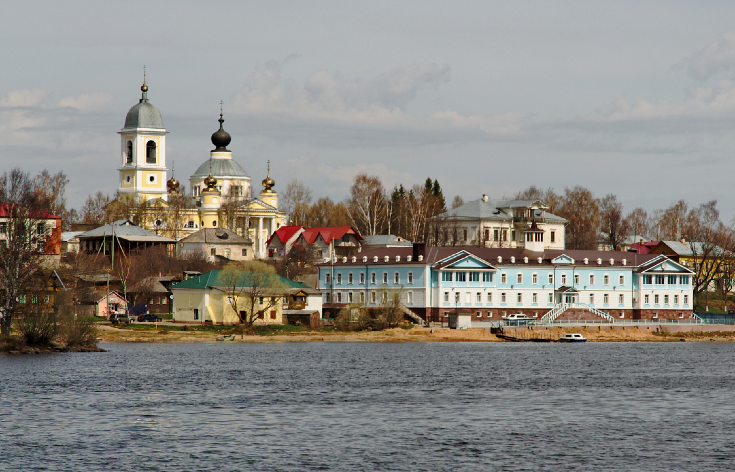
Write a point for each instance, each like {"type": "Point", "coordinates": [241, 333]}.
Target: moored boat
{"type": "Point", "coordinates": [572, 338]}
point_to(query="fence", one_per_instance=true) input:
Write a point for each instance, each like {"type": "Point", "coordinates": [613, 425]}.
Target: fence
{"type": "Point", "coordinates": [716, 318]}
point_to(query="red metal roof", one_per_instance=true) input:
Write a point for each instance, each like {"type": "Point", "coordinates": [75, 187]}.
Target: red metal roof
{"type": "Point", "coordinates": [40, 214]}
{"type": "Point", "coordinates": [284, 233]}
{"type": "Point", "coordinates": [329, 233]}
{"type": "Point", "coordinates": [643, 248]}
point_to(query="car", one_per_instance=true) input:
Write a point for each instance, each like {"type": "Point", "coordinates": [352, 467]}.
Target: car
{"type": "Point", "coordinates": [149, 317]}
{"type": "Point", "coordinates": [119, 318]}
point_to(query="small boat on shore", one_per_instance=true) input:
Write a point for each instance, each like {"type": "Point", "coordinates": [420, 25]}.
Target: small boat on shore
{"type": "Point", "coordinates": [572, 338]}
{"type": "Point", "coordinates": [230, 337]}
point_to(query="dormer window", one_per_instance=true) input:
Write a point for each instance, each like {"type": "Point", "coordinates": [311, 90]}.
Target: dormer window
{"type": "Point", "coordinates": [150, 152]}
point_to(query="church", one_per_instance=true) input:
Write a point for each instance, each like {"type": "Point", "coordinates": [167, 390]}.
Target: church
{"type": "Point", "coordinates": [220, 196]}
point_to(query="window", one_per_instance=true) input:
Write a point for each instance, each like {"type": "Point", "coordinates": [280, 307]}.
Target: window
{"type": "Point", "coordinates": [503, 278]}
{"type": "Point", "coordinates": [659, 280]}
{"type": "Point", "coordinates": [446, 276]}
{"type": "Point", "coordinates": [362, 297]}
{"type": "Point", "coordinates": [684, 280]}
{"type": "Point", "coordinates": [446, 297]}
{"type": "Point", "coordinates": [22, 299]}
{"type": "Point", "coordinates": [339, 278]}
{"type": "Point", "coordinates": [621, 298]}
{"type": "Point", "coordinates": [505, 235]}
{"type": "Point", "coordinates": [385, 278]}
{"type": "Point", "coordinates": [535, 297]}
{"type": "Point", "coordinates": [621, 280]}
{"type": "Point", "coordinates": [645, 299]}
{"type": "Point", "coordinates": [519, 297]}
{"type": "Point", "coordinates": [605, 279]}
{"type": "Point", "coordinates": [409, 297]}
{"type": "Point", "coordinates": [372, 297]}
{"type": "Point", "coordinates": [46, 299]}
{"type": "Point", "coordinates": [244, 252]}
{"type": "Point", "coordinates": [655, 299]}
{"type": "Point", "coordinates": [606, 299]}
{"type": "Point", "coordinates": [396, 278]}
{"type": "Point", "coordinates": [3, 228]}
{"type": "Point", "coordinates": [349, 297]}
{"type": "Point", "coordinates": [372, 278]}
{"type": "Point", "coordinates": [327, 298]}
{"type": "Point", "coordinates": [487, 235]}
{"type": "Point", "coordinates": [671, 280]}
{"type": "Point", "coordinates": [195, 191]}
{"type": "Point", "coordinates": [655, 314]}
{"type": "Point", "coordinates": [339, 297]}
{"type": "Point", "coordinates": [534, 279]}
{"type": "Point", "coordinates": [474, 276]}
{"type": "Point", "coordinates": [362, 277]}
{"type": "Point", "coordinates": [410, 278]}
{"type": "Point", "coordinates": [686, 299]}
{"type": "Point", "coordinates": [592, 298]}
{"type": "Point", "coordinates": [553, 236]}
{"type": "Point", "coordinates": [576, 279]}
{"type": "Point", "coordinates": [502, 298]}
{"type": "Point", "coordinates": [621, 314]}
{"type": "Point", "coordinates": [681, 315]}
{"type": "Point", "coordinates": [464, 233]}
{"type": "Point", "coordinates": [460, 276]}
{"type": "Point", "coordinates": [196, 314]}
{"type": "Point", "coordinates": [513, 234]}
{"type": "Point", "coordinates": [213, 251]}
{"type": "Point", "coordinates": [41, 229]}
{"type": "Point", "coordinates": [349, 278]}
{"type": "Point", "coordinates": [150, 152]}
{"type": "Point", "coordinates": [647, 280]}
{"type": "Point", "coordinates": [563, 279]}
{"type": "Point", "coordinates": [129, 153]}
{"type": "Point", "coordinates": [592, 279]}
{"type": "Point", "coordinates": [489, 297]}
{"type": "Point", "coordinates": [479, 314]}
{"type": "Point", "coordinates": [676, 299]}
{"type": "Point", "coordinates": [551, 298]}
{"type": "Point", "coordinates": [496, 236]}
{"type": "Point", "coordinates": [479, 297]}
{"type": "Point", "coordinates": [327, 278]}
{"type": "Point", "coordinates": [551, 279]}
{"type": "Point", "coordinates": [487, 276]}
{"type": "Point", "coordinates": [666, 299]}
{"type": "Point", "coordinates": [519, 278]}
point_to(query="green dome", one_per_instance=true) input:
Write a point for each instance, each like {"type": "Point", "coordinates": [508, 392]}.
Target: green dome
{"type": "Point", "coordinates": [144, 115]}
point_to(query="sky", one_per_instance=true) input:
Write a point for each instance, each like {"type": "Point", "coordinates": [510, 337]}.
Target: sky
{"type": "Point", "coordinates": [635, 98]}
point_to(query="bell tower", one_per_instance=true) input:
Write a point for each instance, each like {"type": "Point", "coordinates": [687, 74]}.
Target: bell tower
{"type": "Point", "coordinates": [143, 171]}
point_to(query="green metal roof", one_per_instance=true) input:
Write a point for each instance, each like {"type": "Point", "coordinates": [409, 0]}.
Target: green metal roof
{"type": "Point", "coordinates": [214, 278]}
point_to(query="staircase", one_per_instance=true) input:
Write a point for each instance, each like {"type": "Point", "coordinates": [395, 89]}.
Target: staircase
{"type": "Point", "coordinates": [416, 318]}
{"type": "Point", "coordinates": [557, 311]}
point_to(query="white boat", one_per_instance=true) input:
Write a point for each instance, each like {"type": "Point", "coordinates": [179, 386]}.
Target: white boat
{"type": "Point", "coordinates": [572, 338]}
{"type": "Point", "coordinates": [517, 319]}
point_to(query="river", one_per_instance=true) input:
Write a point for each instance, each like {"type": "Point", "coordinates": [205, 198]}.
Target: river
{"type": "Point", "coordinates": [381, 407]}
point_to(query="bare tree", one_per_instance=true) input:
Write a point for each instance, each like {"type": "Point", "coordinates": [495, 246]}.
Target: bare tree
{"type": "Point", "coordinates": [324, 212]}
{"type": "Point", "coordinates": [93, 210]}
{"type": "Point", "coordinates": [457, 202]}
{"type": "Point", "coordinates": [581, 209]}
{"type": "Point", "coordinates": [253, 288]}
{"type": "Point", "coordinates": [611, 222]}
{"type": "Point", "coordinates": [635, 221]}
{"type": "Point", "coordinates": [367, 204]}
{"type": "Point", "coordinates": [51, 189]}
{"type": "Point", "coordinates": [296, 200]}
{"type": "Point", "coordinates": [20, 249]}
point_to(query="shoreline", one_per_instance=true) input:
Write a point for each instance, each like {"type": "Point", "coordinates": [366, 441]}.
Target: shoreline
{"type": "Point", "coordinates": [416, 334]}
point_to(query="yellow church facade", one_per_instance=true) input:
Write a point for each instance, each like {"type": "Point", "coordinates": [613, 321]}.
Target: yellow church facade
{"type": "Point", "coordinates": [220, 190]}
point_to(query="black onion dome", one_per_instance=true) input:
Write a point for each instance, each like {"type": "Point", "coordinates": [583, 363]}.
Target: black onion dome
{"type": "Point", "coordinates": [221, 138]}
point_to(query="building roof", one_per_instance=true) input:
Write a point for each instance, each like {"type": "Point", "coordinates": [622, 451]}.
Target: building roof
{"type": "Point", "coordinates": [143, 114]}
{"type": "Point", "coordinates": [67, 236]}
{"type": "Point", "coordinates": [215, 278]}
{"type": "Point", "coordinates": [221, 168]}
{"type": "Point", "coordinates": [436, 256]}
{"type": "Point", "coordinates": [125, 229]}
{"type": "Point", "coordinates": [329, 233]}
{"type": "Point", "coordinates": [39, 214]}
{"type": "Point", "coordinates": [489, 210]}
{"type": "Point", "coordinates": [284, 233]}
{"type": "Point", "coordinates": [386, 240]}
{"type": "Point", "coordinates": [690, 249]}
{"type": "Point", "coordinates": [216, 236]}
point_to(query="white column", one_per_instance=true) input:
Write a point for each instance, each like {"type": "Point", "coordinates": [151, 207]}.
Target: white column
{"type": "Point", "coordinates": [260, 237]}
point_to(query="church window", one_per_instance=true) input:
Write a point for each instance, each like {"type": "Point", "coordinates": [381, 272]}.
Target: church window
{"type": "Point", "coordinates": [152, 178]}
{"type": "Point", "coordinates": [150, 152]}
{"type": "Point", "coordinates": [127, 179]}
{"type": "Point", "coordinates": [129, 156]}
{"type": "Point", "coordinates": [214, 223]}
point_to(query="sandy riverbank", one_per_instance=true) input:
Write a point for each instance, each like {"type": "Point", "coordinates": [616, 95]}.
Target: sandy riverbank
{"type": "Point", "coordinates": [108, 333]}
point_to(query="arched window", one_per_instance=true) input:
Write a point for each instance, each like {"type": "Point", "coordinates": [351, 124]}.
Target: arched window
{"type": "Point", "coordinates": [129, 153]}
{"type": "Point", "coordinates": [150, 152]}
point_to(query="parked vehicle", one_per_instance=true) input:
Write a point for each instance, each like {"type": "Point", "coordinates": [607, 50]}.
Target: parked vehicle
{"type": "Point", "coordinates": [149, 317]}
{"type": "Point", "coordinates": [119, 318]}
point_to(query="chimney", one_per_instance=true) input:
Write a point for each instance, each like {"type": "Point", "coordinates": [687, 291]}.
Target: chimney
{"type": "Point", "coordinates": [484, 198]}
{"type": "Point", "coordinates": [419, 249]}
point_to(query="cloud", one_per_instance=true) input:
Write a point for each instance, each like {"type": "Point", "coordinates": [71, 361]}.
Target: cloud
{"type": "Point", "coordinates": [716, 57]}
{"type": "Point", "coordinates": [88, 102]}
{"type": "Point", "coordinates": [377, 104]}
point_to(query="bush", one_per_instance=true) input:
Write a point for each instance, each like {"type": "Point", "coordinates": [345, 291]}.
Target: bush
{"type": "Point", "coordinates": [77, 331]}
{"type": "Point", "coordinates": [36, 327]}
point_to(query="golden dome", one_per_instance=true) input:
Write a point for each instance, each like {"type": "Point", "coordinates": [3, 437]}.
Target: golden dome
{"type": "Point", "coordinates": [173, 184]}
{"type": "Point", "coordinates": [268, 183]}
{"type": "Point", "coordinates": [210, 182]}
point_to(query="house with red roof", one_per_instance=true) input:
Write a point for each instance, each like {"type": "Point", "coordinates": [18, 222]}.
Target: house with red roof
{"type": "Point", "coordinates": [46, 234]}
{"type": "Point", "coordinates": [344, 240]}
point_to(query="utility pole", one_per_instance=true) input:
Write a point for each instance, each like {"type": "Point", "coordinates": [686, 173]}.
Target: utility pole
{"type": "Point", "coordinates": [108, 294]}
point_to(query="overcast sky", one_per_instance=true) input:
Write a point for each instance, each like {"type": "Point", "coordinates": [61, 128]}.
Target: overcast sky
{"type": "Point", "coordinates": [631, 97]}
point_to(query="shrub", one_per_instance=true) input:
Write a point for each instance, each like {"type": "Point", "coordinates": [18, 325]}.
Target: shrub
{"type": "Point", "coordinates": [77, 331]}
{"type": "Point", "coordinates": [36, 327]}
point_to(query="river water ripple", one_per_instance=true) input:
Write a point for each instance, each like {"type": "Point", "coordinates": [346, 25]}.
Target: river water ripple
{"type": "Point", "coordinates": [352, 406]}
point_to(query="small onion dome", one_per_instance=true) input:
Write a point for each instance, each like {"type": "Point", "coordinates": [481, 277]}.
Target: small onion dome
{"type": "Point", "coordinates": [144, 87]}
{"type": "Point", "coordinates": [173, 184]}
{"type": "Point", "coordinates": [221, 138]}
{"type": "Point", "coordinates": [210, 182]}
{"type": "Point", "coordinates": [268, 183]}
